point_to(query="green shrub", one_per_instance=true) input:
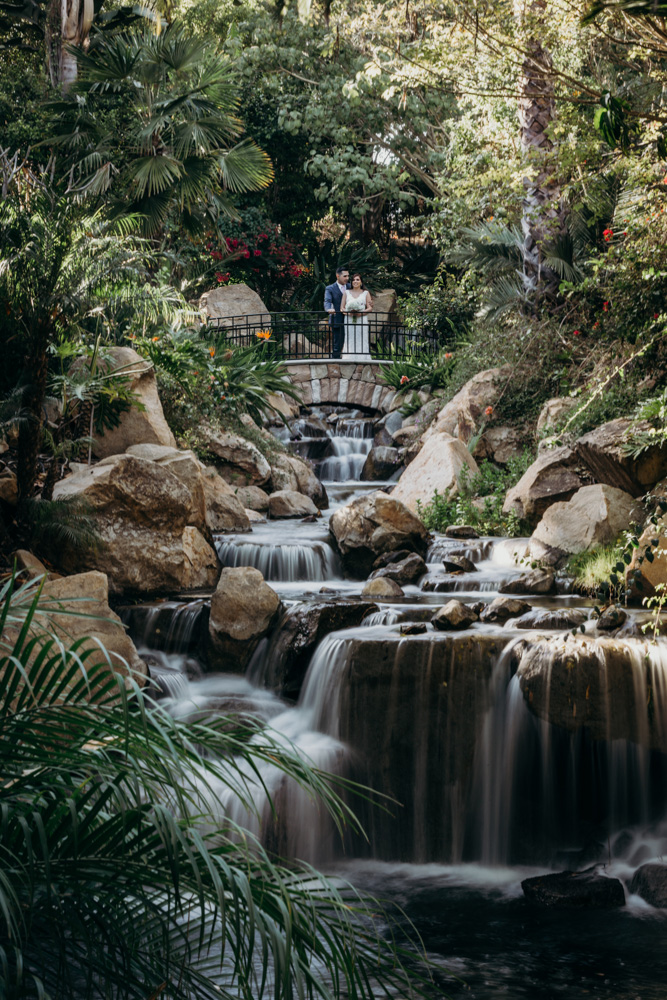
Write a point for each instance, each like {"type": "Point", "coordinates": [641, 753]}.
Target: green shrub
{"type": "Point", "coordinates": [489, 485]}
{"type": "Point", "coordinates": [590, 570]}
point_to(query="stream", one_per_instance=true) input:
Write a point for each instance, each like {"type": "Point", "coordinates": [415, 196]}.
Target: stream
{"type": "Point", "coordinates": [486, 792]}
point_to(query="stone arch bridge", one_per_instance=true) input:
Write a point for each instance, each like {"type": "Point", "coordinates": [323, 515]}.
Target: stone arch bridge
{"type": "Point", "coordinates": [341, 383]}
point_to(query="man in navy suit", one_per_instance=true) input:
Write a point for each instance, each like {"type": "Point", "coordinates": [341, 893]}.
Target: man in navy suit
{"type": "Point", "coordinates": [333, 295]}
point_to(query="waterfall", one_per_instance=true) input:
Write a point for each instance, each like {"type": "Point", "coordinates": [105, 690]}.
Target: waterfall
{"type": "Point", "coordinates": [291, 561]}
{"type": "Point", "coordinates": [172, 626]}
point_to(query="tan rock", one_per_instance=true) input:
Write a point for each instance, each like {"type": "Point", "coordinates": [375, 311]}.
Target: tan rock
{"type": "Point", "coordinates": [437, 467]}
{"type": "Point", "coordinates": [604, 453]}
{"type": "Point", "coordinates": [137, 426]}
{"type": "Point", "coordinates": [8, 488]}
{"type": "Point", "coordinates": [186, 467]}
{"type": "Point", "coordinates": [382, 588]}
{"type": "Point", "coordinates": [454, 615]}
{"type": "Point", "coordinates": [308, 483]}
{"type": "Point", "coordinates": [554, 475]}
{"type": "Point", "coordinates": [241, 462]}
{"type": "Point", "coordinates": [405, 436]}
{"type": "Point", "coordinates": [595, 515]}
{"type": "Point", "coordinates": [463, 414]}
{"type": "Point", "coordinates": [243, 610]}
{"type": "Point", "coordinates": [28, 565]}
{"type": "Point", "coordinates": [287, 503]}
{"type": "Point", "coordinates": [253, 497]}
{"type": "Point", "coordinates": [254, 516]}
{"type": "Point", "coordinates": [287, 407]}
{"type": "Point", "coordinates": [500, 444]}
{"type": "Point", "coordinates": [226, 302]}
{"type": "Point", "coordinates": [373, 524]}
{"type": "Point", "coordinates": [651, 573]}
{"type": "Point", "coordinates": [552, 412]}
{"type": "Point", "coordinates": [143, 513]}
{"type": "Point", "coordinates": [78, 608]}
{"type": "Point", "coordinates": [283, 474]}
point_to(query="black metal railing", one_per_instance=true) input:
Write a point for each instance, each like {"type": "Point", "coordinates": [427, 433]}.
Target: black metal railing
{"type": "Point", "coordinates": [297, 336]}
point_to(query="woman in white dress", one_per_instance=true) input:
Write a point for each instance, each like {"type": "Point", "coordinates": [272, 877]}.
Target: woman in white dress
{"type": "Point", "coordinates": [355, 306]}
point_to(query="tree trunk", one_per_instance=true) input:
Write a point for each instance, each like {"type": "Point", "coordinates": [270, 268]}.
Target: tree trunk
{"type": "Point", "coordinates": [76, 18]}
{"type": "Point", "coordinates": [543, 214]}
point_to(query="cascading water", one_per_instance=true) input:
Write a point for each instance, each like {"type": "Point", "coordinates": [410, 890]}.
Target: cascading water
{"type": "Point", "coordinates": [298, 557]}
{"type": "Point", "coordinates": [351, 441]}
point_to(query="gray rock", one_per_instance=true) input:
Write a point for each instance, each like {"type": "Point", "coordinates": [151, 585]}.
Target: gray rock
{"type": "Point", "coordinates": [537, 581]}
{"type": "Point", "coordinates": [575, 890]}
{"type": "Point", "coordinates": [461, 531]}
{"type": "Point", "coordinates": [503, 608]}
{"type": "Point", "coordinates": [381, 463]}
{"type": "Point", "coordinates": [650, 882]}
{"type": "Point", "coordinates": [253, 497]}
{"type": "Point", "coordinates": [412, 628]}
{"type": "Point", "coordinates": [372, 525]}
{"type": "Point", "coordinates": [460, 565]}
{"type": "Point", "coordinates": [561, 618]}
{"type": "Point", "coordinates": [408, 570]}
{"type": "Point", "coordinates": [454, 616]}
{"type": "Point", "coordinates": [611, 618]}
{"type": "Point", "coordinates": [390, 557]}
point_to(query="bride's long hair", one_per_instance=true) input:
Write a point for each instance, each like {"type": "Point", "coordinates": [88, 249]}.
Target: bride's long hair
{"type": "Point", "coordinates": [357, 275]}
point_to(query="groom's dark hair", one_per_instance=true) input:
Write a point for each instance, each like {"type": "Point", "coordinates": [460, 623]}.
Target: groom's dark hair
{"type": "Point", "coordinates": [341, 268]}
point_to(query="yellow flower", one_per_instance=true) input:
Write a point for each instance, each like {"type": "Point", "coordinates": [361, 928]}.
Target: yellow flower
{"type": "Point", "coordinates": [263, 334]}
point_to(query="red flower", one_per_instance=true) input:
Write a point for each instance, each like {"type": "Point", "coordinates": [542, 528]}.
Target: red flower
{"type": "Point", "coordinates": [656, 315]}
{"type": "Point", "coordinates": [596, 324]}
{"type": "Point", "coordinates": [404, 379]}
{"type": "Point", "coordinates": [246, 254]}
{"type": "Point", "coordinates": [576, 333]}
{"type": "Point", "coordinates": [607, 233]}
{"type": "Point", "coordinates": [257, 253]}
{"type": "Point", "coordinates": [488, 411]}
{"type": "Point", "coordinates": [605, 307]}
{"type": "Point", "coordinates": [448, 355]}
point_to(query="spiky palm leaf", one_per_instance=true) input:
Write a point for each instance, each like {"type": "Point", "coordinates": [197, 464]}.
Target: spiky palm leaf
{"type": "Point", "coordinates": [114, 882]}
{"type": "Point", "coordinates": [633, 8]}
{"type": "Point", "coordinates": [179, 146]}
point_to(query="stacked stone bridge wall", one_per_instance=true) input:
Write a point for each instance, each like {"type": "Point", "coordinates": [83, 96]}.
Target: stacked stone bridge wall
{"type": "Point", "coordinates": [342, 383]}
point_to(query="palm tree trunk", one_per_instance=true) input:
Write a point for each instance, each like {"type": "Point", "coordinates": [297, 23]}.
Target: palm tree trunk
{"type": "Point", "coordinates": [543, 214]}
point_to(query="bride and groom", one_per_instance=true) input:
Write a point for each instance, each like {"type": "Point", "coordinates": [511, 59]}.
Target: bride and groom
{"type": "Point", "coordinates": [348, 305]}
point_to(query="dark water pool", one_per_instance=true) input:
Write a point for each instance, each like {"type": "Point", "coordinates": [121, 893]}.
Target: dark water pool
{"type": "Point", "coordinates": [475, 924]}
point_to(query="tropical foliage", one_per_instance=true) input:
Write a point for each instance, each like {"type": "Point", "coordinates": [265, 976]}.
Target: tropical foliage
{"type": "Point", "coordinates": [114, 881]}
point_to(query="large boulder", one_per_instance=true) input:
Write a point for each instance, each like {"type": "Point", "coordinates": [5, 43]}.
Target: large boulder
{"type": "Point", "coordinates": [650, 882]}
{"type": "Point", "coordinates": [384, 306]}
{"type": "Point", "coordinates": [601, 684]}
{"type": "Point", "coordinates": [595, 515]}
{"type": "Point", "coordinates": [503, 608]}
{"type": "Point", "coordinates": [297, 635]}
{"type": "Point", "coordinates": [604, 452]}
{"type": "Point", "coordinates": [373, 524]}
{"type": "Point", "coordinates": [225, 513]}
{"type": "Point", "coordinates": [588, 890]}
{"type": "Point", "coordinates": [308, 483]}
{"type": "Point", "coordinates": [534, 581]}
{"type": "Point", "coordinates": [243, 610]}
{"type": "Point", "coordinates": [253, 497]}
{"type": "Point", "coordinates": [185, 466]}
{"type": "Point", "coordinates": [283, 474]}
{"type": "Point", "coordinates": [241, 463]}
{"type": "Point", "coordinates": [381, 463]}
{"type": "Point", "coordinates": [138, 425]}
{"type": "Point", "coordinates": [436, 467]}
{"type": "Point", "coordinates": [287, 503]}
{"type": "Point", "coordinates": [554, 475]}
{"type": "Point", "coordinates": [151, 536]}
{"type": "Point", "coordinates": [463, 414]}
{"type": "Point", "coordinates": [500, 444]}
{"type": "Point", "coordinates": [77, 608]}
{"type": "Point", "coordinates": [223, 303]}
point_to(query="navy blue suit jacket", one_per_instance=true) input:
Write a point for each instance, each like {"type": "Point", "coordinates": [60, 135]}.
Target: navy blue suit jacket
{"type": "Point", "coordinates": [333, 298]}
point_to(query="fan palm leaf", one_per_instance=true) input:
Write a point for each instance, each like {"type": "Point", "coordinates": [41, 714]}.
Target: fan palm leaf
{"type": "Point", "coordinates": [113, 880]}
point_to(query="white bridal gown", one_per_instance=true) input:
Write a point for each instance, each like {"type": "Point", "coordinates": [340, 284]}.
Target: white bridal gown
{"type": "Point", "coordinates": [357, 346]}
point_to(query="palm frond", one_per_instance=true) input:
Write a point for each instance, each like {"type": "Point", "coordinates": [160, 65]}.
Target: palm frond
{"type": "Point", "coordinates": [245, 167]}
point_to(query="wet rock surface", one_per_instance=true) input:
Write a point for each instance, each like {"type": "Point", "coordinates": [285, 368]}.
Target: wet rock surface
{"type": "Point", "coordinates": [382, 588]}
{"type": "Point", "coordinates": [243, 610]}
{"type": "Point", "coordinates": [581, 890]}
{"type": "Point", "coordinates": [534, 582]}
{"type": "Point", "coordinates": [454, 615]}
{"type": "Point", "coordinates": [502, 608]}
{"type": "Point", "coordinates": [287, 503]}
{"type": "Point", "coordinates": [372, 525]}
{"type": "Point", "coordinates": [650, 882]}
{"type": "Point", "coordinates": [407, 570]}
